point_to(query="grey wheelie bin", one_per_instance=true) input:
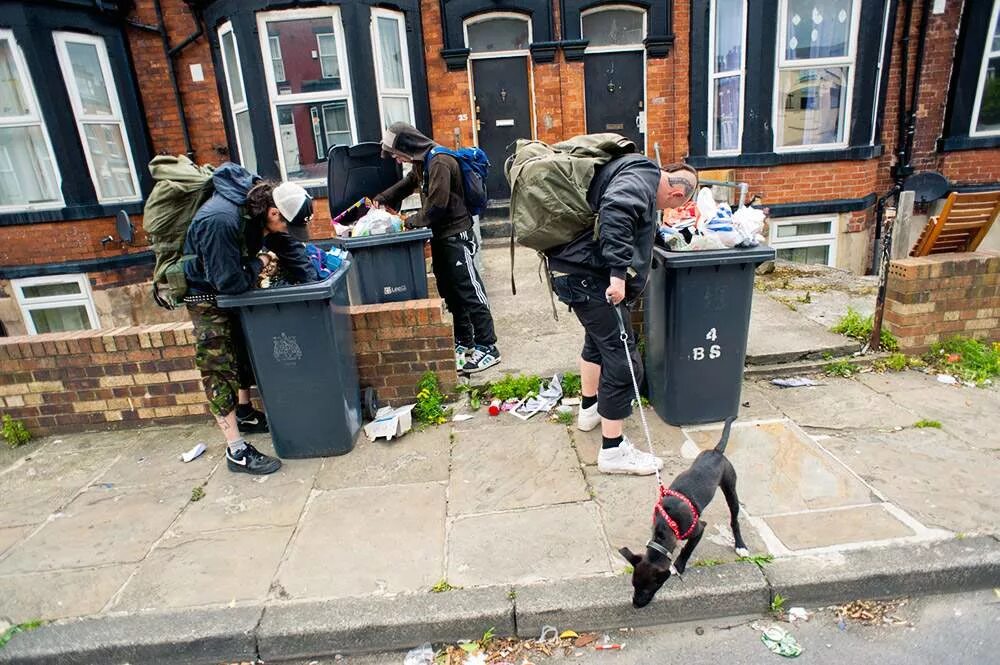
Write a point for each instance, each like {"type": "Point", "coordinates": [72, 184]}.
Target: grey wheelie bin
{"type": "Point", "coordinates": [389, 267]}
{"type": "Point", "coordinates": [302, 351]}
{"type": "Point", "coordinates": [697, 316]}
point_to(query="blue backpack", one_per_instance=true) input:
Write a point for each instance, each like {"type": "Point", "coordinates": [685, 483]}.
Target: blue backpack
{"type": "Point", "coordinates": [475, 165]}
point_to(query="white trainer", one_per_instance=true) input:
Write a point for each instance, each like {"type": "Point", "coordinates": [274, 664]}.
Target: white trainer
{"type": "Point", "coordinates": [587, 419]}
{"type": "Point", "coordinates": [627, 459]}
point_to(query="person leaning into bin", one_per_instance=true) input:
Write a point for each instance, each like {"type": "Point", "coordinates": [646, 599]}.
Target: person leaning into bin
{"type": "Point", "coordinates": [593, 275]}
{"type": "Point", "coordinates": [453, 245]}
{"type": "Point", "coordinates": [228, 239]}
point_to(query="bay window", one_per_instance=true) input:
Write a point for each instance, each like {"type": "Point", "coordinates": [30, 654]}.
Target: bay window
{"type": "Point", "coordinates": [29, 178]}
{"type": "Point", "coordinates": [310, 92]}
{"type": "Point", "coordinates": [86, 71]}
{"type": "Point", "coordinates": [238, 107]}
{"type": "Point", "coordinates": [392, 67]}
{"type": "Point", "coordinates": [727, 48]}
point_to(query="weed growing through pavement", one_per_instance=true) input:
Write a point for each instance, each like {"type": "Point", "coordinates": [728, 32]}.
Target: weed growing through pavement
{"type": "Point", "coordinates": [840, 368]}
{"type": "Point", "coordinates": [430, 408]}
{"type": "Point", "coordinates": [14, 432]}
{"type": "Point", "coordinates": [513, 386]}
{"type": "Point", "coordinates": [565, 418]}
{"type": "Point", "coordinates": [198, 493]}
{"type": "Point", "coordinates": [571, 384]}
{"type": "Point", "coordinates": [778, 604]}
{"type": "Point", "coordinates": [897, 362]}
{"type": "Point", "coordinates": [924, 423]}
{"type": "Point", "coordinates": [858, 327]}
{"type": "Point", "coordinates": [443, 586]}
{"type": "Point", "coordinates": [760, 560]}
{"type": "Point", "coordinates": [8, 634]}
{"type": "Point", "coordinates": [707, 563]}
{"type": "Point", "coordinates": [968, 359]}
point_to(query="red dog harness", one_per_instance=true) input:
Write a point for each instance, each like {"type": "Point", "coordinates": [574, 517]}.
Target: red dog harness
{"type": "Point", "coordinates": [659, 510]}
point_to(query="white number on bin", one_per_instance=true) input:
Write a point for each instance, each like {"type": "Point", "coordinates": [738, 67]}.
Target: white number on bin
{"type": "Point", "coordinates": [714, 351]}
{"type": "Point", "coordinates": [712, 335]}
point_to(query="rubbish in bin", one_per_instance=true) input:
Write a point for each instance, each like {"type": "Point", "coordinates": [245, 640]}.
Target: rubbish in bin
{"type": "Point", "coordinates": [544, 401]}
{"type": "Point", "coordinates": [794, 382]}
{"type": "Point", "coordinates": [193, 453]}
{"type": "Point", "coordinates": [376, 222]}
{"type": "Point", "coordinates": [390, 423]}
{"type": "Point", "coordinates": [422, 655]}
{"type": "Point", "coordinates": [704, 225]}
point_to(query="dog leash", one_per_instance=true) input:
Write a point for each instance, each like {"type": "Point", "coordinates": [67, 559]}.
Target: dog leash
{"type": "Point", "coordinates": [638, 399]}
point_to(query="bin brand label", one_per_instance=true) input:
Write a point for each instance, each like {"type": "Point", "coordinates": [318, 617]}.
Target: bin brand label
{"type": "Point", "coordinates": [286, 348]}
{"type": "Point", "coordinates": [391, 290]}
{"type": "Point", "coordinates": [712, 352]}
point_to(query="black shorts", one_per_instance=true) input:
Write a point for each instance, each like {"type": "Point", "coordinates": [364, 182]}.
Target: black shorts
{"type": "Point", "coordinates": [602, 344]}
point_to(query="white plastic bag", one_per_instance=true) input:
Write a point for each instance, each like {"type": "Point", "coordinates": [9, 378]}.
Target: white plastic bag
{"type": "Point", "coordinates": [422, 655]}
{"type": "Point", "coordinates": [749, 223]}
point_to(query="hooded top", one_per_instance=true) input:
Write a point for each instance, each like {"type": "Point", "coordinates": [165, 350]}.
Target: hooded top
{"type": "Point", "coordinates": [216, 237]}
{"type": "Point", "coordinates": [442, 192]}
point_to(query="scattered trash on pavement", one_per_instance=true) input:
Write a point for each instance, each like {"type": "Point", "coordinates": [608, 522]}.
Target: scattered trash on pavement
{"type": "Point", "coordinates": [494, 409]}
{"type": "Point", "coordinates": [585, 640]}
{"type": "Point", "coordinates": [794, 382]}
{"type": "Point", "coordinates": [798, 614]}
{"type": "Point", "coordinates": [947, 379]}
{"type": "Point", "coordinates": [422, 655]}
{"type": "Point", "coordinates": [605, 644]}
{"type": "Point", "coordinates": [547, 398]}
{"type": "Point", "coordinates": [779, 641]}
{"type": "Point", "coordinates": [462, 417]}
{"type": "Point", "coordinates": [548, 633]}
{"type": "Point", "coordinates": [390, 423]}
{"type": "Point", "coordinates": [872, 612]}
{"type": "Point", "coordinates": [194, 453]}
{"type": "Point", "coordinates": [568, 634]}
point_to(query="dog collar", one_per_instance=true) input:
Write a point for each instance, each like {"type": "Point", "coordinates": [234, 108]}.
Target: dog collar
{"type": "Point", "coordinates": [653, 545]}
{"type": "Point", "coordinates": [658, 509]}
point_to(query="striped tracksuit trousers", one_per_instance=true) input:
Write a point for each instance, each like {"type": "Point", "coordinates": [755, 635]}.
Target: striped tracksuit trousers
{"type": "Point", "coordinates": [461, 286]}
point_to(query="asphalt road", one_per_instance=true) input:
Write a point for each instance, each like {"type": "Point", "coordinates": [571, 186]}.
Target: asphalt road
{"type": "Point", "coordinates": [955, 629]}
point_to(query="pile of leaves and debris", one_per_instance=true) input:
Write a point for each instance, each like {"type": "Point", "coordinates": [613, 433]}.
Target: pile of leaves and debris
{"type": "Point", "coordinates": [873, 612]}
{"type": "Point", "coordinates": [492, 650]}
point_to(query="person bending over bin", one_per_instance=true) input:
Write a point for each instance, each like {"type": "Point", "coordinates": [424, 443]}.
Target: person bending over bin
{"type": "Point", "coordinates": [226, 241]}
{"type": "Point", "coordinates": [453, 245]}
{"type": "Point", "coordinates": [589, 273]}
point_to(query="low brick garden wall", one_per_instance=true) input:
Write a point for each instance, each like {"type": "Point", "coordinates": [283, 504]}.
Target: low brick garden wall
{"type": "Point", "coordinates": [932, 298]}
{"type": "Point", "coordinates": [131, 376]}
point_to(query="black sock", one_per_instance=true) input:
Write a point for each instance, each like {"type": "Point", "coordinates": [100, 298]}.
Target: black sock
{"type": "Point", "coordinates": [244, 410]}
{"type": "Point", "coordinates": [611, 442]}
{"type": "Point", "coordinates": [588, 402]}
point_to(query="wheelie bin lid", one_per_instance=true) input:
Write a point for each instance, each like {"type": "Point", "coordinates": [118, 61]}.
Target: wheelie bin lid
{"type": "Point", "coordinates": [382, 239]}
{"type": "Point", "coordinates": [322, 290]}
{"type": "Point", "coordinates": [358, 171]}
{"type": "Point", "coordinates": [714, 257]}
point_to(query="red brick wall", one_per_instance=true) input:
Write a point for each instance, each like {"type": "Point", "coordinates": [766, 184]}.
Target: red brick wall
{"type": "Point", "coordinates": [930, 299]}
{"type": "Point", "coordinates": [448, 91]}
{"type": "Point", "coordinates": [129, 376]}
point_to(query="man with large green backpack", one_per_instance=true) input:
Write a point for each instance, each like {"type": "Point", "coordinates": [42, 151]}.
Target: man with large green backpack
{"type": "Point", "coordinates": [591, 206]}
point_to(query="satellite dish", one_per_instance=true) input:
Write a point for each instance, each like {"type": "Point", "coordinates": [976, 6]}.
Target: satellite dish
{"type": "Point", "coordinates": [926, 186]}
{"type": "Point", "coordinates": [125, 228]}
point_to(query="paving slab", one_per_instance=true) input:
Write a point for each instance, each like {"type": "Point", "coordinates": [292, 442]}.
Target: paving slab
{"type": "Point", "coordinates": [778, 334]}
{"type": "Point", "coordinates": [147, 463]}
{"type": "Point", "coordinates": [60, 594]}
{"type": "Point", "coordinates": [519, 466]}
{"type": "Point", "coordinates": [417, 457]}
{"type": "Point", "coordinates": [101, 526]}
{"type": "Point", "coordinates": [525, 546]}
{"type": "Point", "coordinates": [221, 635]}
{"type": "Point", "coordinates": [626, 506]}
{"type": "Point", "coordinates": [605, 603]}
{"type": "Point", "coordinates": [667, 439]}
{"type": "Point", "coordinates": [9, 536]}
{"type": "Point", "coordinates": [932, 475]}
{"type": "Point", "coordinates": [968, 413]}
{"type": "Point", "coordinates": [235, 500]}
{"type": "Point", "coordinates": [207, 569]}
{"type": "Point", "coordinates": [370, 540]}
{"type": "Point", "coordinates": [839, 404]}
{"type": "Point", "coordinates": [36, 486]}
{"type": "Point", "coordinates": [895, 382]}
{"type": "Point", "coordinates": [352, 625]}
{"type": "Point", "coordinates": [887, 572]}
{"type": "Point", "coordinates": [758, 403]}
{"type": "Point", "coordinates": [77, 442]}
{"type": "Point", "coordinates": [781, 470]}
{"type": "Point", "coordinates": [824, 528]}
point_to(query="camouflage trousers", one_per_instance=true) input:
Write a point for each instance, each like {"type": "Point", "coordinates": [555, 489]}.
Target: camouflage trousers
{"type": "Point", "coordinates": [220, 355]}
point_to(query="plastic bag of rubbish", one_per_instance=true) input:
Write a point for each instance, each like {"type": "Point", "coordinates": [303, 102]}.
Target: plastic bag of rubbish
{"type": "Point", "coordinates": [706, 240]}
{"type": "Point", "coordinates": [375, 222]}
{"type": "Point", "coordinates": [547, 398]}
{"type": "Point", "coordinates": [722, 226]}
{"type": "Point", "coordinates": [749, 223]}
{"type": "Point", "coordinates": [422, 655]}
{"type": "Point", "coordinates": [706, 206]}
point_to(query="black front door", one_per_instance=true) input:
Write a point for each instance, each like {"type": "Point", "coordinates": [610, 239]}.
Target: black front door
{"type": "Point", "coordinates": [615, 94]}
{"type": "Point", "coordinates": [503, 111]}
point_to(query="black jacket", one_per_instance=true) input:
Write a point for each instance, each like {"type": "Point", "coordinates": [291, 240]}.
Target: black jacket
{"type": "Point", "coordinates": [217, 238]}
{"type": "Point", "coordinates": [623, 194]}
{"type": "Point", "coordinates": [294, 265]}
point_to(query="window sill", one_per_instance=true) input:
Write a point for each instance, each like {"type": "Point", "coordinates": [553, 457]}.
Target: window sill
{"type": "Point", "coordinates": [778, 158]}
{"type": "Point", "coordinates": [953, 143]}
{"type": "Point", "coordinates": [69, 214]}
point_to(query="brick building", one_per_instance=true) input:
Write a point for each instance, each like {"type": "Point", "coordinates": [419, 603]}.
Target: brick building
{"type": "Point", "coordinates": [802, 99]}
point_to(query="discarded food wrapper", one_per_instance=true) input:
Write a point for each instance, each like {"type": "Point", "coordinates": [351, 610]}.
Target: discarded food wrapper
{"type": "Point", "coordinates": [390, 423]}
{"type": "Point", "coordinates": [462, 417]}
{"type": "Point", "coordinates": [780, 641]}
{"type": "Point", "coordinates": [194, 453]}
{"type": "Point", "coordinates": [568, 634]}
{"type": "Point", "coordinates": [546, 399]}
{"type": "Point", "coordinates": [422, 655]}
{"type": "Point", "coordinates": [797, 614]}
{"type": "Point", "coordinates": [947, 379]}
{"type": "Point", "coordinates": [794, 382]}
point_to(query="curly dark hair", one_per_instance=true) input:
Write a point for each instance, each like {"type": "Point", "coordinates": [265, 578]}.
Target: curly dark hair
{"type": "Point", "coordinates": [260, 198]}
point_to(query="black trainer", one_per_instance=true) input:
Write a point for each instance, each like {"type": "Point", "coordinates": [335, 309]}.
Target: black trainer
{"type": "Point", "coordinates": [483, 357]}
{"type": "Point", "coordinates": [252, 461]}
{"type": "Point", "coordinates": [251, 422]}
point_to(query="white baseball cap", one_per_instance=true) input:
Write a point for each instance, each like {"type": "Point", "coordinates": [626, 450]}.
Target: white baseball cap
{"type": "Point", "coordinates": [295, 205]}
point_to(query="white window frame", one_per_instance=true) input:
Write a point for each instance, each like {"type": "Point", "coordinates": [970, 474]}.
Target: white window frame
{"type": "Point", "coordinates": [116, 118]}
{"type": "Point", "coordinates": [781, 63]}
{"type": "Point", "coordinates": [320, 55]}
{"type": "Point", "coordinates": [32, 119]}
{"type": "Point", "coordinates": [815, 240]}
{"type": "Point", "coordinates": [518, 53]}
{"type": "Point", "coordinates": [28, 305]}
{"type": "Point", "coordinates": [617, 48]}
{"type": "Point", "coordinates": [274, 46]}
{"type": "Point", "coordinates": [876, 98]}
{"type": "Point", "coordinates": [384, 91]}
{"type": "Point", "coordinates": [235, 108]}
{"type": "Point", "coordinates": [980, 88]}
{"type": "Point", "coordinates": [713, 76]}
{"type": "Point", "coordinates": [275, 100]}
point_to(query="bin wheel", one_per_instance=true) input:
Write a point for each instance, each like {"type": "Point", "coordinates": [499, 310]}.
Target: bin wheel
{"type": "Point", "coordinates": [369, 402]}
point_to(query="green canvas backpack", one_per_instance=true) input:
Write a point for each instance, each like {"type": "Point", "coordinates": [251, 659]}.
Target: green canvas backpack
{"type": "Point", "coordinates": [181, 188]}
